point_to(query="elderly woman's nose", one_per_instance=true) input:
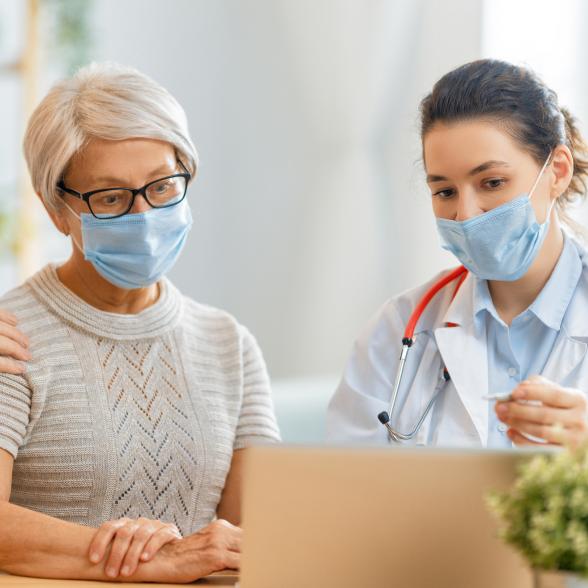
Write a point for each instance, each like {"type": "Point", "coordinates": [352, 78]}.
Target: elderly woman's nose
{"type": "Point", "coordinates": [140, 205]}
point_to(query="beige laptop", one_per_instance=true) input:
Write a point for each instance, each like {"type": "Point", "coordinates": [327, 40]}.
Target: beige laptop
{"type": "Point", "coordinates": [369, 518]}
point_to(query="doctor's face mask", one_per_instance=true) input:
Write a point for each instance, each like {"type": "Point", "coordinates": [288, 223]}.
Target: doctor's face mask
{"type": "Point", "coordinates": [490, 225]}
{"type": "Point", "coordinates": [500, 244]}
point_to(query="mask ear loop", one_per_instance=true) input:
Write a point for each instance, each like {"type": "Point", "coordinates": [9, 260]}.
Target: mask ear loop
{"type": "Point", "coordinates": [535, 185]}
{"type": "Point", "coordinates": [75, 241]}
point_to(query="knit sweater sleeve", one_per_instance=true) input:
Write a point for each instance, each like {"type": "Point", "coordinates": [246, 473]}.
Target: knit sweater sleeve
{"type": "Point", "coordinates": [15, 406]}
{"type": "Point", "coordinates": [257, 422]}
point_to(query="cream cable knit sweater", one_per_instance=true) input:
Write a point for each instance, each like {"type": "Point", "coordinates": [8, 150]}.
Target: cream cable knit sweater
{"type": "Point", "coordinates": [129, 415]}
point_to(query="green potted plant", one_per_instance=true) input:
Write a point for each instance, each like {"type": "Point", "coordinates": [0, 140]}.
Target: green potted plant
{"type": "Point", "coordinates": [545, 517]}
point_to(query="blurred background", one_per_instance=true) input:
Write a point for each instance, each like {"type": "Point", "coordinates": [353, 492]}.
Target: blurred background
{"type": "Point", "coordinates": [310, 206]}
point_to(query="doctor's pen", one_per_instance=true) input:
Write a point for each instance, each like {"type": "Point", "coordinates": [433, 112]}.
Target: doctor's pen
{"type": "Point", "coordinates": [384, 417]}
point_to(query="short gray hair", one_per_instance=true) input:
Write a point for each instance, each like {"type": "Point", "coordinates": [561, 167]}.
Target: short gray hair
{"type": "Point", "coordinates": [104, 101]}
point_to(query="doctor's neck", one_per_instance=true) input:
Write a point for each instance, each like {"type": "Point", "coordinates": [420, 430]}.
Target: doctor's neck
{"type": "Point", "coordinates": [512, 298]}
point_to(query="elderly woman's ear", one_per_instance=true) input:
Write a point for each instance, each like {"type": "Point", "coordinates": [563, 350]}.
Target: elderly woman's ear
{"type": "Point", "coordinates": [57, 215]}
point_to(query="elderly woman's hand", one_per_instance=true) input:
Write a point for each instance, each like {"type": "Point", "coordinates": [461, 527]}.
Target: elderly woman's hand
{"type": "Point", "coordinates": [542, 409]}
{"type": "Point", "coordinates": [14, 346]}
{"type": "Point", "coordinates": [214, 548]}
{"type": "Point", "coordinates": [132, 541]}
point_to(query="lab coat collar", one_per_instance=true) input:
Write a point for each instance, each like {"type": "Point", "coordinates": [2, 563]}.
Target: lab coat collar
{"type": "Point", "coordinates": [575, 319]}
{"type": "Point", "coordinates": [554, 299]}
{"type": "Point", "coordinates": [571, 346]}
{"type": "Point", "coordinates": [461, 309]}
{"type": "Point", "coordinates": [551, 306]}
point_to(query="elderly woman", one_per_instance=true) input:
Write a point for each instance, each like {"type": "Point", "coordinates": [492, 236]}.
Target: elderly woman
{"type": "Point", "coordinates": [121, 442]}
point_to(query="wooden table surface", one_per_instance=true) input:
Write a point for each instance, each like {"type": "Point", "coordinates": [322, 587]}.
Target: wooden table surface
{"type": "Point", "coordinates": [6, 581]}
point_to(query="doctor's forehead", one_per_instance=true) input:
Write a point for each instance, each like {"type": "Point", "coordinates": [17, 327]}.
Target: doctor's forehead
{"type": "Point", "coordinates": [458, 148]}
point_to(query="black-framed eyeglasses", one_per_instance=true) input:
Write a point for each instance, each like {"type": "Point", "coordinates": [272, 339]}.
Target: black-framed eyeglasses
{"type": "Point", "coordinates": [114, 202]}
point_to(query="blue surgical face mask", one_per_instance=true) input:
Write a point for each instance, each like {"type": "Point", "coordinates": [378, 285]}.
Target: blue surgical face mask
{"type": "Point", "coordinates": [135, 250]}
{"type": "Point", "coordinates": [500, 244]}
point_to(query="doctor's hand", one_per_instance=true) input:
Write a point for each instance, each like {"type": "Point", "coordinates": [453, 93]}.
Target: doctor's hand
{"type": "Point", "coordinates": [543, 409]}
{"type": "Point", "coordinates": [14, 346]}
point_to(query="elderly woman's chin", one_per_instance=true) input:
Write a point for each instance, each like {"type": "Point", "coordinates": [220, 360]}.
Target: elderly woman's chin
{"type": "Point", "coordinates": [124, 435]}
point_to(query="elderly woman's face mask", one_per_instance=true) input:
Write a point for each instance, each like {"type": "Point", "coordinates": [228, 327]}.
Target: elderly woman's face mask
{"type": "Point", "coordinates": [135, 250]}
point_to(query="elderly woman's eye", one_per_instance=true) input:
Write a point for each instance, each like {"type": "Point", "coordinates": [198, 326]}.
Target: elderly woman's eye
{"type": "Point", "coordinates": [107, 200]}
{"type": "Point", "coordinates": [165, 191]}
{"type": "Point", "coordinates": [163, 187]}
{"type": "Point", "coordinates": [113, 198]}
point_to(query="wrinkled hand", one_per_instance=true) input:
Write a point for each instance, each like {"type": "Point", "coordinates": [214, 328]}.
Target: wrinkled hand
{"type": "Point", "coordinates": [543, 409]}
{"type": "Point", "coordinates": [214, 548]}
{"type": "Point", "coordinates": [132, 541]}
{"type": "Point", "coordinates": [14, 346]}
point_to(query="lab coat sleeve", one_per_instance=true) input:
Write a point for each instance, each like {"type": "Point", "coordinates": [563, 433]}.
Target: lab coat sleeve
{"type": "Point", "coordinates": [366, 386]}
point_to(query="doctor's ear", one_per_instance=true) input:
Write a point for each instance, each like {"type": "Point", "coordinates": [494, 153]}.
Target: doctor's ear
{"type": "Point", "coordinates": [562, 167]}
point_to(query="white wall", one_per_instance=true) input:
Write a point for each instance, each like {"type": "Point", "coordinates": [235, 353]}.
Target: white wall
{"type": "Point", "coordinates": [310, 209]}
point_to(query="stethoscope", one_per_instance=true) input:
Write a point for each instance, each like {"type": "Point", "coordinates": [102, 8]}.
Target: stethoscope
{"type": "Point", "coordinates": [384, 417]}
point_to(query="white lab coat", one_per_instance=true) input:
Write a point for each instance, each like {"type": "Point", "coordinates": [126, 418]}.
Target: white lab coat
{"type": "Point", "coordinates": [460, 416]}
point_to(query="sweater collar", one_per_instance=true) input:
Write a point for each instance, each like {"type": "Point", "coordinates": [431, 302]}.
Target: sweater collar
{"type": "Point", "coordinates": [155, 320]}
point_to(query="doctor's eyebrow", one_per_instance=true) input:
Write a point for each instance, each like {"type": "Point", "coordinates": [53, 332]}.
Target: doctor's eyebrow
{"type": "Point", "coordinates": [431, 179]}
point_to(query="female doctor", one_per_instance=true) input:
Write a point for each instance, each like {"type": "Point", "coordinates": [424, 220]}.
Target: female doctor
{"type": "Point", "coordinates": [498, 355]}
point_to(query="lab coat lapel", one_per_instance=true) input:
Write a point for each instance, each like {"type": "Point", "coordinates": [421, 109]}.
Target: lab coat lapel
{"type": "Point", "coordinates": [465, 357]}
{"type": "Point", "coordinates": [463, 350]}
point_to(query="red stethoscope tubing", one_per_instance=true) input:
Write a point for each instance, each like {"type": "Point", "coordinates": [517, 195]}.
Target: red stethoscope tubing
{"type": "Point", "coordinates": [459, 273]}
{"type": "Point", "coordinates": [384, 417]}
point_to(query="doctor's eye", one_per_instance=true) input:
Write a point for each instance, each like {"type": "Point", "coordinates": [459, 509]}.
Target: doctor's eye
{"type": "Point", "coordinates": [494, 183]}
{"type": "Point", "coordinates": [444, 194]}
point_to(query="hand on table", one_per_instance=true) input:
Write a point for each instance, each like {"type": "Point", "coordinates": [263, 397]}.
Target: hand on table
{"type": "Point", "coordinates": [214, 548]}
{"type": "Point", "coordinates": [541, 408]}
{"type": "Point", "coordinates": [131, 541]}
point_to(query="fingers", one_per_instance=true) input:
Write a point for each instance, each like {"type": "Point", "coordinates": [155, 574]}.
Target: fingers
{"type": "Point", "coordinates": [120, 546]}
{"type": "Point", "coordinates": [235, 540]}
{"type": "Point", "coordinates": [546, 410]}
{"type": "Point", "coordinates": [554, 434]}
{"type": "Point", "coordinates": [11, 332]}
{"type": "Point", "coordinates": [8, 318]}
{"type": "Point", "coordinates": [11, 366]}
{"type": "Point", "coordinates": [14, 345]}
{"type": "Point", "coordinates": [224, 544]}
{"type": "Point", "coordinates": [103, 537]}
{"type": "Point", "coordinates": [543, 390]}
{"type": "Point", "coordinates": [11, 348]}
{"type": "Point", "coordinates": [130, 541]}
{"type": "Point", "coordinates": [522, 441]}
{"type": "Point", "coordinates": [542, 415]}
{"type": "Point", "coordinates": [232, 536]}
{"type": "Point", "coordinates": [146, 543]}
{"type": "Point", "coordinates": [233, 560]}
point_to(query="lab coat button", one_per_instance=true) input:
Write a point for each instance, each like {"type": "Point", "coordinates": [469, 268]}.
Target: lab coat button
{"type": "Point", "coordinates": [512, 372]}
{"type": "Point", "coordinates": [502, 428]}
